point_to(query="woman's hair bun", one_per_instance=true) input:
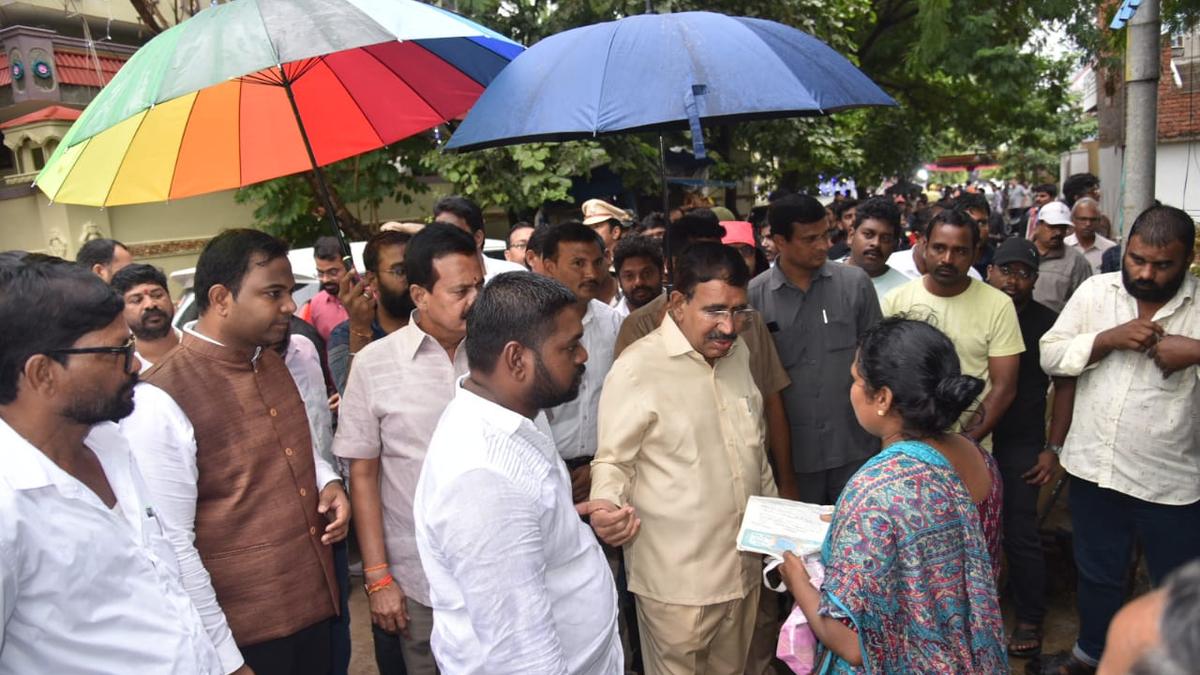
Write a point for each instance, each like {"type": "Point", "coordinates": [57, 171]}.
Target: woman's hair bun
{"type": "Point", "coordinates": [957, 392]}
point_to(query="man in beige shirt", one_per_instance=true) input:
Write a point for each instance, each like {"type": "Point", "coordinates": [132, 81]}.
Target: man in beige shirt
{"type": "Point", "coordinates": [397, 391]}
{"type": "Point", "coordinates": [682, 440]}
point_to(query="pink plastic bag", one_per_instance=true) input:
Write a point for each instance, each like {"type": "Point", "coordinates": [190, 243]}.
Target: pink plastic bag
{"type": "Point", "coordinates": [797, 646]}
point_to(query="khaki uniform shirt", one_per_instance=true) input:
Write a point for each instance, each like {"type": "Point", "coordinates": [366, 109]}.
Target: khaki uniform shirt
{"type": "Point", "coordinates": [684, 442]}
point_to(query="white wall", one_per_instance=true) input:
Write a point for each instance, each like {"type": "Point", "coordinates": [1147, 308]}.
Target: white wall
{"type": "Point", "coordinates": [1175, 170]}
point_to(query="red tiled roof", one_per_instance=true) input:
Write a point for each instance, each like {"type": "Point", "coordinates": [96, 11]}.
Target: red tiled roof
{"type": "Point", "coordinates": [5, 73]}
{"type": "Point", "coordinates": [50, 112]}
{"type": "Point", "coordinates": [79, 69]}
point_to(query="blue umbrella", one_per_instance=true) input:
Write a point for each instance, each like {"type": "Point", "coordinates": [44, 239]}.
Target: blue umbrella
{"type": "Point", "coordinates": [657, 72]}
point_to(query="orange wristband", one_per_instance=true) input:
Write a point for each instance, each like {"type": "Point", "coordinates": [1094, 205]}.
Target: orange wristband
{"type": "Point", "coordinates": [379, 585]}
{"type": "Point", "coordinates": [375, 568]}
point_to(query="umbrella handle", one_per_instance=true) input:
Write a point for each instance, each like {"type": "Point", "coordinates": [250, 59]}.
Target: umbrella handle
{"type": "Point", "coordinates": [322, 186]}
{"type": "Point", "coordinates": [666, 193]}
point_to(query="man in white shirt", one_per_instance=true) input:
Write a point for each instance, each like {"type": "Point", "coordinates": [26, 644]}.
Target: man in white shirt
{"type": "Point", "coordinates": [1133, 451]}
{"type": "Point", "coordinates": [468, 217]}
{"type": "Point", "coordinates": [1085, 217]}
{"type": "Point", "coordinates": [88, 580]}
{"type": "Point", "coordinates": [148, 311]}
{"type": "Point", "coordinates": [517, 582]}
{"type": "Point", "coordinates": [573, 254]}
{"type": "Point", "coordinates": [397, 390]}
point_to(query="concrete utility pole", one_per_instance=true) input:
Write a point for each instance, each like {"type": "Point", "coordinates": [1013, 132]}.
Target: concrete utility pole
{"type": "Point", "coordinates": [1142, 56]}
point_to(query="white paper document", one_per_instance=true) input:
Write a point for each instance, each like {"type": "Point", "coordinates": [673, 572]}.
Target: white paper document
{"type": "Point", "coordinates": [772, 526]}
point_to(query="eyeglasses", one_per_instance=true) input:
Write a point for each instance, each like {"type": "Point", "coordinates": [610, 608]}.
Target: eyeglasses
{"type": "Point", "coordinates": [396, 271]}
{"type": "Point", "coordinates": [128, 349]}
{"type": "Point", "coordinates": [518, 245]}
{"type": "Point", "coordinates": [332, 273]}
{"type": "Point", "coordinates": [1021, 272]}
{"type": "Point", "coordinates": [739, 315]}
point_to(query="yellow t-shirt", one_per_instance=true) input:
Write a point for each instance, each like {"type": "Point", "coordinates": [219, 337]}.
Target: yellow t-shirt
{"type": "Point", "coordinates": [981, 322]}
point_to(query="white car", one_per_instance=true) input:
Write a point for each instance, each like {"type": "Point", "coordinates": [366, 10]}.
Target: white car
{"type": "Point", "coordinates": [304, 268]}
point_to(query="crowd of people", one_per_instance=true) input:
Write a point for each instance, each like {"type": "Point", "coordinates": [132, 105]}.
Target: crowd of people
{"type": "Point", "coordinates": [544, 460]}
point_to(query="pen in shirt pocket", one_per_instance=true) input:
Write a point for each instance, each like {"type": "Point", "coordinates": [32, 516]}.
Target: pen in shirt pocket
{"type": "Point", "coordinates": [824, 316]}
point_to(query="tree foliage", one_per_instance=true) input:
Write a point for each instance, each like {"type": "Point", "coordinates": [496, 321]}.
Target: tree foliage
{"type": "Point", "coordinates": [969, 76]}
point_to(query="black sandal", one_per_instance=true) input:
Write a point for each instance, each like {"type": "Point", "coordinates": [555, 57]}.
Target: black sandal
{"type": "Point", "coordinates": [1025, 635]}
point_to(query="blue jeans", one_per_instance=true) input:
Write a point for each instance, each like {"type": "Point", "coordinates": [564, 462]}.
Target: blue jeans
{"type": "Point", "coordinates": [1105, 523]}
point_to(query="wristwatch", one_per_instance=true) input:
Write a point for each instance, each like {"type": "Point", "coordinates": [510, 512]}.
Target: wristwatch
{"type": "Point", "coordinates": [1056, 449]}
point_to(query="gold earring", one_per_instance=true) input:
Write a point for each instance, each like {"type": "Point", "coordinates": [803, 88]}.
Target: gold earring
{"type": "Point", "coordinates": [880, 413]}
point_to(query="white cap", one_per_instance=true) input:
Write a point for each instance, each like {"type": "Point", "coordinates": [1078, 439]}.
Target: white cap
{"type": "Point", "coordinates": [1054, 213]}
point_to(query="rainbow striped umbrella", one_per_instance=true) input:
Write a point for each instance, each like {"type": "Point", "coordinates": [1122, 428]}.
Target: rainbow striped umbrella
{"type": "Point", "coordinates": [256, 89]}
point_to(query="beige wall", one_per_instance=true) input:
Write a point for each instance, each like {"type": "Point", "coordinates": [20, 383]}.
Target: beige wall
{"type": "Point", "coordinates": [118, 10]}
{"type": "Point", "coordinates": [167, 234]}
{"type": "Point", "coordinates": [20, 225]}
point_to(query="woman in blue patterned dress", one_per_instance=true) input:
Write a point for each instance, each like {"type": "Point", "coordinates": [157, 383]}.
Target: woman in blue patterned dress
{"type": "Point", "coordinates": [909, 584]}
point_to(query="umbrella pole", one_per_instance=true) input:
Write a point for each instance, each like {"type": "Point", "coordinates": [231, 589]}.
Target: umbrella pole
{"type": "Point", "coordinates": [666, 197]}
{"type": "Point", "coordinates": [322, 186]}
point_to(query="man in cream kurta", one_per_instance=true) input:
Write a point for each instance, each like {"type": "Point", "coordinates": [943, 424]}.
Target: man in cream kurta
{"type": "Point", "coordinates": [684, 442]}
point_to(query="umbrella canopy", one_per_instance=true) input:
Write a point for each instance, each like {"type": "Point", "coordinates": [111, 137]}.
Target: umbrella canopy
{"type": "Point", "coordinates": [252, 90]}
{"type": "Point", "coordinates": [662, 71]}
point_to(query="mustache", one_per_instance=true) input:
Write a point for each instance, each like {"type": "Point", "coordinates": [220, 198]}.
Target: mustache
{"type": "Point", "coordinates": [153, 311]}
{"type": "Point", "coordinates": [718, 335]}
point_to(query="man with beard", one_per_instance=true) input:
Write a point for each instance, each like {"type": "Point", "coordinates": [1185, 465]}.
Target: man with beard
{"type": "Point", "coordinates": [816, 310]}
{"type": "Point", "coordinates": [325, 310]}
{"type": "Point", "coordinates": [398, 388]}
{"type": "Point", "coordinates": [518, 583]}
{"type": "Point", "coordinates": [71, 494]}
{"type": "Point", "coordinates": [222, 436]}
{"type": "Point", "coordinates": [1061, 268]}
{"type": "Point", "coordinates": [573, 253]}
{"type": "Point", "coordinates": [682, 441]}
{"type": "Point", "coordinates": [379, 303]}
{"type": "Point", "coordinates": [980, 320]}
{"type": "Point", "coordinates": [911, 261]}
{"type": "Point", "coordinates": [148, 311]}
{"type": "Point", "coordinates": [872, 241]}
{"type": "Point", "coordinates": [638, 262]}
{"type": "Point", "coordinates": [1133, 451]}
{"type": "Point", "coordinates": [1024, 451]}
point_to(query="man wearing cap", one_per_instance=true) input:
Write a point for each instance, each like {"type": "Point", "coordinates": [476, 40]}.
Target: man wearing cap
{"type": "Point", "coordinates": [1022, 448]}
{"type": "Point", "coordinates": [1061, 269]}
{"type": "Point", "coordinates": [740, 235]}
{"type": "Point", "coordinates": [607, 221]}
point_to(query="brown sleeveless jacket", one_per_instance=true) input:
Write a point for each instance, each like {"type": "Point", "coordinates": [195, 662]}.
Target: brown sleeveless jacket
{"type": "Point", "coordinates": [257, 527]}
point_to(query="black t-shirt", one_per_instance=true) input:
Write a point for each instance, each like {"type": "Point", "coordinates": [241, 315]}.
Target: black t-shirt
{"type": "Point", "coordinates": [1025, 422]}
